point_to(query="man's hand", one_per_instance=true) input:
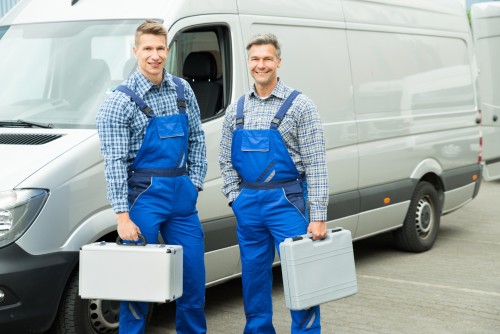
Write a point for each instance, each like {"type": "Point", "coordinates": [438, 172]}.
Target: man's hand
{"type": "Point", "coordinates": [126, 228]}
{"type": "Point", "coordinates": [318, 230]}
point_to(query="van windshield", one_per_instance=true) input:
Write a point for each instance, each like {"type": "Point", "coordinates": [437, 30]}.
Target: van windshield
{"type": "Point", "coordinates": [59, 73]}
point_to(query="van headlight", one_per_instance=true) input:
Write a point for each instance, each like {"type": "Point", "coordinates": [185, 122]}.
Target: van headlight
{"type": "Point", "coordinates": [18, 210]}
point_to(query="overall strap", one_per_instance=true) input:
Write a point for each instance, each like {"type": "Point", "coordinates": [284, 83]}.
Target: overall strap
{"type": "Point", "coordinates": [142, 105]}
{"type": "Point", "coordinates": [283, 109]}
{"type": "Point", "coordinates": [239, 112]}
{"type": "Point", "coordinates": [179, 88]}
{"type": "Point", "coordinates": [181, 100]}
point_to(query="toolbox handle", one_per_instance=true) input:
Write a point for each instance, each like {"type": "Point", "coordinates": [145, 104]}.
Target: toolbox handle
{"type": "Point", "coordinates": [309, 235]}
{"type": "Point", "coordinates": [141, 242]}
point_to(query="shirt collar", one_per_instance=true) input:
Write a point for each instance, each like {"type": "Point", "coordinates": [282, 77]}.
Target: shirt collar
{"type": "Point", "coordinates": [279, 91]}
{"type": "Point", "coordinates": [144, 85]}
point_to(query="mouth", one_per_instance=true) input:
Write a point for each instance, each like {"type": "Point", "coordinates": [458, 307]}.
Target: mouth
{"type": "Point", "coordinates": [155, 64]}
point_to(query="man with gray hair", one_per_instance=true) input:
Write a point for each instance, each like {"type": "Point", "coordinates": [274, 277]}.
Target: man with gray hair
{"type": "Point", "coordinates": [273, 163]}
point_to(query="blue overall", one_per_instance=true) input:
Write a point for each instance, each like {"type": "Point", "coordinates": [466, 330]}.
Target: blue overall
{"type": "Point", "coordinates": [162, 199]}
{"type": "Point", "coordinates": [270, 207]}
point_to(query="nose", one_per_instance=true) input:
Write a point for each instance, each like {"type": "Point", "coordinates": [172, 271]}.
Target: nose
{"type": "Point", "coordinates": [155, 54]}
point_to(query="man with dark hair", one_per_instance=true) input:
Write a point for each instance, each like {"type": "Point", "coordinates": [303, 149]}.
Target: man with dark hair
{"type": "Point", "coordinates": [155, 164]}
{"type": "Point", "coordinates": [273, 164]}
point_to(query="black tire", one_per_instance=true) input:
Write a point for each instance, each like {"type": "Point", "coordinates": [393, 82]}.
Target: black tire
{"type": "Point", "coordinates": [85, 316]}
{"type": "Point", "coordinates": [421, 226]}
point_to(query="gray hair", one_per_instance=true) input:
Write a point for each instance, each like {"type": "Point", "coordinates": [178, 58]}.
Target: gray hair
{"type": "Point", "coordinates": [263, 39]}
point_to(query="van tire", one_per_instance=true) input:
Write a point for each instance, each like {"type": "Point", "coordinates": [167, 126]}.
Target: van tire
{"type": "Point", "coordinates": [421, 225]}
{"type": "Point", "coordinates": [81, 316]}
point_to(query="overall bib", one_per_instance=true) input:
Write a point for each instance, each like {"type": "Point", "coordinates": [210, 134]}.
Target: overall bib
{"type": "Point", "coordinates": [162, 199]}
{"type": "Point", "coordinates": [270, 207]}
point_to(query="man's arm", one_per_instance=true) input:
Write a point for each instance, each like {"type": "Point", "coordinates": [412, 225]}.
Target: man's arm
{"type": "Point", "coordinates": [113, 130]}
{"type": "Point", "coordinates": [197, 159]}
{"type": "Point", "coordinates": [313, 155]}
{"type": "Point", "coordinates": [230, 178]}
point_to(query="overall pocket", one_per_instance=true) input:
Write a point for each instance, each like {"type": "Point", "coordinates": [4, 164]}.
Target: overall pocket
{"type": "Point", "coordinates": [136, 186]}
{"type": "Point", "coordinates": [169, 129]}
{"type": "Point", "coordinates": [254, 142]}
{"type": "Point", "coordinates": [295, 195]}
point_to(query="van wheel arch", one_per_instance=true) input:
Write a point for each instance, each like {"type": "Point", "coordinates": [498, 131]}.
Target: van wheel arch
{"type": "Point", "coordinates": [82, 316]}
{"type": "Point", "coordinates": [421, 225]}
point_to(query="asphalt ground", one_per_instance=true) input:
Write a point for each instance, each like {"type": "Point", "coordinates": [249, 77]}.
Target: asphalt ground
{"type": "Point", "coordinates": [453, 288]}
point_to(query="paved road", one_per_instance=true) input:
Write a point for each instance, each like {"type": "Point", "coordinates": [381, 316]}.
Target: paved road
{"type": "Point", "coordinates": [453, 288]}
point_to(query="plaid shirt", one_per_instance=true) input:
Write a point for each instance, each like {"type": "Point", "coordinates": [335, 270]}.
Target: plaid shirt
{"type": "Point", "coordinates": [302, 132]}
{"type": "Point", "coordinates": [122, 125]}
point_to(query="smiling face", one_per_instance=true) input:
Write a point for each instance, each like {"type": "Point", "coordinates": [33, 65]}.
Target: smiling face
{"type": "Point", "coordinates": [263, 64]}
{"type": "Point", "coordinates": [151, 52]}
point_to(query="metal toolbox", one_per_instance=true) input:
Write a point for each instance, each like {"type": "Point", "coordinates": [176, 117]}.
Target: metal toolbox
{"type": "Point", "coordinates": [316, 272]}
{"type": "Point", "coordinates": [149, 273]}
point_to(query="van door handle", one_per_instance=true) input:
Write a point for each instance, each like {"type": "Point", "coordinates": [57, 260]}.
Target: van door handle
{"type": "Point", "coordinates": [495, 117]}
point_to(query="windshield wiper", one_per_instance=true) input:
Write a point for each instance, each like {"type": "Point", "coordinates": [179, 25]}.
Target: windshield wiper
{"type": "Point", "coordinates": [25, 124]}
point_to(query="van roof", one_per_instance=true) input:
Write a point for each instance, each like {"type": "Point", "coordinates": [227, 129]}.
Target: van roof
{"type": "Point", "coordinates": [430, 14]}
{"type": "Point", "coordinates": [303, 8]}
{"type": "Point", "coordinates": [37, 11]}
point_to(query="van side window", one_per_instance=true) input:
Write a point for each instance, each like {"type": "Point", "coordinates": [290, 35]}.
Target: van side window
{"type": "Point", "coordinates": [422, 80]}
{"type": "Point", "coordinates": [201, 56]}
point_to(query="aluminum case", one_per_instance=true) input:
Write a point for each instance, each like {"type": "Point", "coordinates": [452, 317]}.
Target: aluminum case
{"type": "Point", "coordinates": [316, 272]}
{"type": "Point", "coordinates": [148, 273]}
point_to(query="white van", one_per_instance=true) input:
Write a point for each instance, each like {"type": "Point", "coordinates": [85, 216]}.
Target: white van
{"type": "Point", "coordinates": [485, 18]}
{"type": "Point", "coordinates": [393, 80]}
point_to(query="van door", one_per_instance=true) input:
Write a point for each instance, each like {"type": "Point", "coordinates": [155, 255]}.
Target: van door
{"type": "Point", "coordinates": [485, 19]}
{"type": "Point", "coordinates": [315, 61]}
{"type": "Point", "coordinates": [200, 51]}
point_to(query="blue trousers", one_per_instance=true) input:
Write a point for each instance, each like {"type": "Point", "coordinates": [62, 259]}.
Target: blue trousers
{"type": "Point", "coordinates": [173, 214]}
{"type": "Point", "coordinates": [265, 218]}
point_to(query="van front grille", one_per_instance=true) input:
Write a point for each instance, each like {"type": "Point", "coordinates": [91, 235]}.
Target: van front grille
{"type": "Point", "coordinates": [26, 139]}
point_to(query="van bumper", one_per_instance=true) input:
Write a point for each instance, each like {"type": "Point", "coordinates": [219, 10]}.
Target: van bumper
{"type": "Point", "coordinates": [31, 286]}
{"type": "Point", "coordinates": [479, 180]}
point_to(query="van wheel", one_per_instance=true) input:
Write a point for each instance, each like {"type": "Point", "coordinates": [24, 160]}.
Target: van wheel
{"type": "Point", "coordinates": [421, 225]}
{"type": "Point", "coordinates": [85, 316]}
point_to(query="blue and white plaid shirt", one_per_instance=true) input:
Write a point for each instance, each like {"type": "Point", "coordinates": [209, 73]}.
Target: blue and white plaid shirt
{"type": "Point", "coordinates": [302, 132]}
{"type": "Point", "coordinates": [122, 125]}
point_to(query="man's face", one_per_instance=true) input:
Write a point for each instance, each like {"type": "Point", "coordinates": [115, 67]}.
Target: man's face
{"type": "Point", "coordinates": [263, 64]}
{"type": "Point", "coordinates": [151, 54]}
